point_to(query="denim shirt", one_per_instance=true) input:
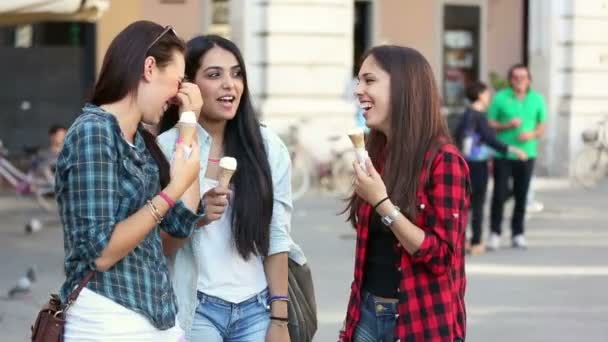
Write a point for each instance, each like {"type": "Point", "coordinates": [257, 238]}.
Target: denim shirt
{"type": "Point", "coordinates": [100, 181]}
{"type": "Point", "coordinates": [185, 262]}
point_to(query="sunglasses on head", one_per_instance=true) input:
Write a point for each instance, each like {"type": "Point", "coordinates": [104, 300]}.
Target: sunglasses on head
{"type": "Point", "coordinates": [167, 29]}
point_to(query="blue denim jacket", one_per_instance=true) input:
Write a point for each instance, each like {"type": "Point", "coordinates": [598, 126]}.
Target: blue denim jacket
{"type": "Point", "coordinates": [185, 263]}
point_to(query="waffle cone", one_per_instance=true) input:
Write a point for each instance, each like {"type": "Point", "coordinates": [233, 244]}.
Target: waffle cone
{"type": "Point", "coordinates": [186, 133]}
{"type": "Point", "coordinates": [224, 177]}
{"type": "Point", "coordinates": [358, 140]}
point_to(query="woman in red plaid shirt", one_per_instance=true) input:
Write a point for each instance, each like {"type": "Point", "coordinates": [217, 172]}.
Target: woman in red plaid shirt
{"type": "Point", "coordinates": [409, 209]}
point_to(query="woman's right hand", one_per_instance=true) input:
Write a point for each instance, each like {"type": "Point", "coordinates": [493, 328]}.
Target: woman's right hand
{"type": "Point", "coordinates": [216, 201]}
{"type": "Point", "coordinates": [515, 122]}
{"type": "Point", "coordinates": [184, 171]}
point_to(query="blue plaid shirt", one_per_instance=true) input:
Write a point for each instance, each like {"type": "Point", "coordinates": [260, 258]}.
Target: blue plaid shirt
{"type": "Point", "coordinates": [100, 181]}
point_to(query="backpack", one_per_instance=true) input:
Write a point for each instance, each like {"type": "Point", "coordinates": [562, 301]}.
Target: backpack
{"type": "Point", "coordinates": [469, 141]}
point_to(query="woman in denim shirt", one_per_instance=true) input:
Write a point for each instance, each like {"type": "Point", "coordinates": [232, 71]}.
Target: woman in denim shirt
{"type": "Point", "coordinates": [228, 271]}
{"type": "Point", "coordinates": [109, 177]}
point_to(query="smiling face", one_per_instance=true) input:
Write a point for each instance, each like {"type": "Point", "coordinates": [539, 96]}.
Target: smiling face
{"type": "Point", "coordinates": [520, 79]}
{"type": "Point", "coordinates": [373, 93]}
{"type": "Point", "coordinates": [159, 87]}
{"type": "Point", "coordinates": [221, 83]}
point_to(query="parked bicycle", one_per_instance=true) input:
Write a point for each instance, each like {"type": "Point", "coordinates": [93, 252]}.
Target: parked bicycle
{"type": "Point", "coordinates": [591, 164]}
{"type": "Point", "coordinates": [334, 175]}
{"type": "Point", "coordinates": [30, 183]}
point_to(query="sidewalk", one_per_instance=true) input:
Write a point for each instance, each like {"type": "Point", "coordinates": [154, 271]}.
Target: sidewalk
{"type": "Point", "coordinates": [44, 250]}
{"type": "Point", "coordinates": [555, 291]}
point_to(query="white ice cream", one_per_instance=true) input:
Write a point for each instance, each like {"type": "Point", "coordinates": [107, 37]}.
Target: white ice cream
{"type": "Point", "coordinates": [188, 118]}
{"type": "Point", "coordinates": [228, 163]}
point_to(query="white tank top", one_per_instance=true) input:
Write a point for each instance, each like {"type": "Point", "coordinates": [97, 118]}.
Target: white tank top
{"type": "Point", "coordinates": [222, 272]}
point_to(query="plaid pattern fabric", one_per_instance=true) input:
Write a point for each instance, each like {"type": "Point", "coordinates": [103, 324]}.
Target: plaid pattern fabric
{"type": "Point", "coordinates": [431, 290]}
{"type": "Point", "coordinates": [100, 181]}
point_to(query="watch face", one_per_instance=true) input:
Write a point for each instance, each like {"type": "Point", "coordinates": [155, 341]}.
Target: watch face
{"type": "Point", "coordinates": [390, 218]}
{"type": "Point", "coordinates": [387, 220]}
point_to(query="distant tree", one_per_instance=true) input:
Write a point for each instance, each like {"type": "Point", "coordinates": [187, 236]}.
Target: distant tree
{"type": "Point", "coordinates": [498, 82]}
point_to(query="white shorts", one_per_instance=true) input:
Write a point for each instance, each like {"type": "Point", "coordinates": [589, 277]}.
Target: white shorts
{"type": "Point", "coordinates": [95, 318]}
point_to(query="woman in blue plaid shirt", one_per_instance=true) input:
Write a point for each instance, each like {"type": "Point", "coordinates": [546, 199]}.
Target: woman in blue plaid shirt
{"type": "Point", "coordinates": [109, 179]}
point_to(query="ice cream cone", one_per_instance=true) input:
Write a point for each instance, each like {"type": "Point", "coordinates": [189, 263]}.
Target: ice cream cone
{"type": "Point", "coordinates": [187, 127]}
{"type": "Point", "coordinates": [357, 137]}
{"type": "Point", "coordinates": [186, 133]}
{"type": "Point", "coordinates": [227, 169]}
{"type": "Point", "coordinates": [187, 130]}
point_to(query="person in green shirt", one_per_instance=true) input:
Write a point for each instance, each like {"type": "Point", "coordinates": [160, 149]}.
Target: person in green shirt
{"type": "Point", "coordinates": [518, 114]}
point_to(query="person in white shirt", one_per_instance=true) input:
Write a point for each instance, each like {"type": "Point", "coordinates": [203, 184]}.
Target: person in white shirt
{"type": "Point", "coordinates": [231, 277]}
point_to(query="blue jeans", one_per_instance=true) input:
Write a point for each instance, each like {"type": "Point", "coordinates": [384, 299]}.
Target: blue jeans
{"type": "Point", "coordinates": [217, 320]}
{"type": "Point", "coordinates": [377, 322]}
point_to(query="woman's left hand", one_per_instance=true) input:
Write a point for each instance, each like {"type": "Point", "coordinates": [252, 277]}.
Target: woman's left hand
{"type": "Point", "coordinates": [277, 333]}
{"type": "Point", "coordinates": [370, 187]}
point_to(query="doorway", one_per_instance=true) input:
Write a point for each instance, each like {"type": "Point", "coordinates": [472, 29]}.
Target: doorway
{"type": "Point", "coordinates": [362, 32]}
{"type": "Point", "coordinates": [461, 45]}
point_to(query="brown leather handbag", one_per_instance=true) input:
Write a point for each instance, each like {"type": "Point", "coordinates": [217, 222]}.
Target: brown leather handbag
{"type": "Point", "coordinates": [302, 304]}
{"type": "Point", "coordinates": [50, 321]}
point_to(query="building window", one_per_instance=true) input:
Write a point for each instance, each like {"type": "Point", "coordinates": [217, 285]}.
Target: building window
{"type": "Point", "coordinates": [44, 34]}
{"type": "Point", "coordinates": [220, 17]}
{"type": "Point", "coordinates": [461, 49]}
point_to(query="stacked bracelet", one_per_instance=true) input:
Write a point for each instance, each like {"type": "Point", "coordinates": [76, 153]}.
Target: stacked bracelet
{"type": "Point", "coordinates": [154, 211]}
{"type": "Point", "coordinates": [167, 199]}
{"type": "Point", "coordinates": [278, 321]}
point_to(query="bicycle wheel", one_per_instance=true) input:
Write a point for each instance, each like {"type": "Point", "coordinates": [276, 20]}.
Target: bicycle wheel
{"type": "Point", "coordinates": [590, 166]}
{"type": "Point", "coordinates": [300, 177]}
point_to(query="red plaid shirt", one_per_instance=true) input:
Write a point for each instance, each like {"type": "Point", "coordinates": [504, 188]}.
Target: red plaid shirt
{"type": "Point", "coordinates": [431, 290]}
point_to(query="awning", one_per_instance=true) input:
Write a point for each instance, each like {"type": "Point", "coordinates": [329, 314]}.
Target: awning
{"type": "Point", "coordinates": [15, 12]}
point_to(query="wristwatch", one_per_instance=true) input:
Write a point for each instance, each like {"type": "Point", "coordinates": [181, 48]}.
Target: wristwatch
{"type": "Point", "coordinates": [390, 218]}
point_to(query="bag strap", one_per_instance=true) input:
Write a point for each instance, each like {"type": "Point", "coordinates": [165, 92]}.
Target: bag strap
{"type": "Point", "coordinates": [72, 297]}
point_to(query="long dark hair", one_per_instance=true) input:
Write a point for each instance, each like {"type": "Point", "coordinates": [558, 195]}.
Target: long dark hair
{"type": "Point", "coordinates": [474, 90]}
{"type": "Point", "coordinates": [253, 200]}
{"type": "Point", "coordinates": [121, 72]}
{"type": "Point", "coordinates": [416, 126]}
